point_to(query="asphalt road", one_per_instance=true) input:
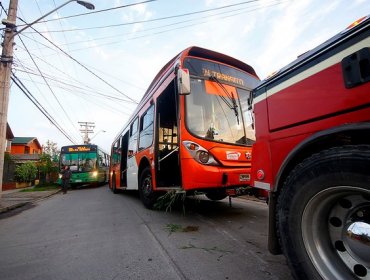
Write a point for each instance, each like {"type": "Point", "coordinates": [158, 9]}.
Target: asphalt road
{"type": "Point", "coordinates": [94, 234]}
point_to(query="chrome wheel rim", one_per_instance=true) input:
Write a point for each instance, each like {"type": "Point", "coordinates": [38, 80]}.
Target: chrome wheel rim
{"type": "Point", "coordinates": [147, 186]}
{"type": "Point", "coordinates": [336, 232]}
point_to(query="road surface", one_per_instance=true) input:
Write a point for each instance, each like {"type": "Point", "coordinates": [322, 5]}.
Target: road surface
{"type": "Point", "coordinates": [93, 234]}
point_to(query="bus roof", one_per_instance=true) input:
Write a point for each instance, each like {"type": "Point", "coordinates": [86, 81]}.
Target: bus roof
{"type": "Point", "coordinates": [312, 57]}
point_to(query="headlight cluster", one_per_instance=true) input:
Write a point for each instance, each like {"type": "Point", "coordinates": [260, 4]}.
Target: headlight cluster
{"type": "Point", "coordinates": [199, 153]}
{"type": "Point", "coordinates": [95, 173]}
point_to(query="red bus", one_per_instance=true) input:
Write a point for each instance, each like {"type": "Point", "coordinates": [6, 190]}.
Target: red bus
{"type": "Point", "coordinates": [189, 132]}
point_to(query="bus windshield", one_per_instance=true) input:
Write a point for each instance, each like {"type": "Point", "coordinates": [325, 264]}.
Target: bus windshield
{"type": "Point", "coordinates": [213, 108]}
{"type": "Point", "coordinates": [82, 162]}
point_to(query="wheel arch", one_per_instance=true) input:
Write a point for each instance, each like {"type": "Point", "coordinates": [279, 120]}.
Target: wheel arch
{"type": "Point", "coordinates": [144, 163]}
{"type": "Point", "coordinates": [348, 134]}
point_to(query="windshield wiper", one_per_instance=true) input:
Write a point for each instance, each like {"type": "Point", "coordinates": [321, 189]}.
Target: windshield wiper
{"type": "Point", "coordinates": [231, 103]}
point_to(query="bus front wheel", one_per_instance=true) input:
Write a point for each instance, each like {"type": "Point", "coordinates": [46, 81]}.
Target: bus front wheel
{"type": "Point", "coordinates": [147, 194]}
{"type": "Point", "coordinates": [323, 215]}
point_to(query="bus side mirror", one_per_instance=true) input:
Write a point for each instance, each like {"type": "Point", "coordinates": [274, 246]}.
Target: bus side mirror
{"type": "Point", "coordinates": [183, 81]}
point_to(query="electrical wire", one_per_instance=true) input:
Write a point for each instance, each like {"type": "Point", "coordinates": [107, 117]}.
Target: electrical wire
{"type": "Point", "coordinates": [51, 90]}
{"type": "Point", "coordinates": [152, 20]}
{"type": "Point", "coordinates": [86, 68]}
{"type": "Point", "coordinates": [98, 11]}
{"type": "Point", "coordinates": [29, 95]}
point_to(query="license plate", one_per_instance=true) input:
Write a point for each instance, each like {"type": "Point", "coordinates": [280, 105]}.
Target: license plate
{"type": "Point", "coordinates": [244, 177]}
{"type": "Point", "coordinates": [78, 180]}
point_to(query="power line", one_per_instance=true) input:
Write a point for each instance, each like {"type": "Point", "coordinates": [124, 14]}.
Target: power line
{"type": "Point", "coordinates": [98, 11]}
{"type": "Point", "coordinates": [29, 95]}
{"type": "Point", "coordinates": [177, 28]}
{"type": "Point", "coordinates": [51, 90]}
{"type": "Point", "coordinates": [86, 68]}
{"type": "Point", "coordinates": [151, 20]}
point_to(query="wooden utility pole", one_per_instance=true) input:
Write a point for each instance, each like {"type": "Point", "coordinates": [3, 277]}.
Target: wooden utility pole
{"type": "Point", "coordinates": [5, 72]}
{"type": "Point", "coordinates": [86, 129]}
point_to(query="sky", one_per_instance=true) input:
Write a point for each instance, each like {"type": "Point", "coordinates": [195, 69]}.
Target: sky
{"type": "Point", "coordinates": [82, 67]}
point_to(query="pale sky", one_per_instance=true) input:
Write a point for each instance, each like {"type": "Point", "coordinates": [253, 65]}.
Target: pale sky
{"type": "Point", "coordinates": [123, 49]}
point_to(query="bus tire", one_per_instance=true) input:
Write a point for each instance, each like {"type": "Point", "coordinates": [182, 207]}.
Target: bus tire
{"type": "Point", "coordinates": [147, 194]}
{"type": "Point", "coordinates": [323, 215]}
{"type": "Point", "coordinates": [114, 188]}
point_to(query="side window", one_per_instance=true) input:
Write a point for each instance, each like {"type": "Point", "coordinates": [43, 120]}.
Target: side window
{"type": "Point", "coordinates": [116, 152]}
{"type": "Point", "coordinates": [132, 144]}
{"type": "Point", "coordinates": [146, 128]}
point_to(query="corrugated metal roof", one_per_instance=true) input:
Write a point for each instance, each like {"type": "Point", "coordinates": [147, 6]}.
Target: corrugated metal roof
{"type": "Point", "coordinates": [22, 140]}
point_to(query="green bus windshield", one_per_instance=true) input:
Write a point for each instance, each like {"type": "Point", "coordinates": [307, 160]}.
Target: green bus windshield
{"type": "Point", "coordinates": [82, 162]}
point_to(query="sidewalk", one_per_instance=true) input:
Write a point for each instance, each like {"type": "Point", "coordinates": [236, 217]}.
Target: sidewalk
{"type": "Point", "coordinates": [15, 198]}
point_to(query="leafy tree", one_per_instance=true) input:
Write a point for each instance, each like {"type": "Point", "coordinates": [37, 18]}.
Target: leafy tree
{"type": "Point", "coordinates": [48, 163]}
{"type": "Point", "coordinates": [51, 148]}
{"type": "Point", "coordinates": [25, 172]}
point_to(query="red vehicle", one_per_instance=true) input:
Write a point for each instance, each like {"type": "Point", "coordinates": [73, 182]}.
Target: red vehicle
{"type": "Point", "coordinates": [312, 153]}
{"type": "Point", "coordinates": [189, 132]}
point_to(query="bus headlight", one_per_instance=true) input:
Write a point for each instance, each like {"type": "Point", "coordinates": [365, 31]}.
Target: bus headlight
{"type": "Point", "coordinates": [203, 156]}
{"type": "Point", "coordinates": [95, 173]}
{"type": "Point", "coordinates": [199, 153]}
{"type": "Point", "coordinates": [60, 176]}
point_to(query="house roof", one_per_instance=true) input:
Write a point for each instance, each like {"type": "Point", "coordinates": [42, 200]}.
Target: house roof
{"type": "Point", "coordinates": [9, 132]}
{"type": "Point", "coordinates": [25, 141]}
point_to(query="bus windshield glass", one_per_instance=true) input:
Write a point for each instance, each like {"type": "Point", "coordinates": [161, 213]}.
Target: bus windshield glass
{"type": "Point", "coordinates": [82, 162]}
{"type": "Point", "coordinates": [213, 108]}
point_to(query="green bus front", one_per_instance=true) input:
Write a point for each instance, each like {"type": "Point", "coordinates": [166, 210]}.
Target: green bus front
{"type": "Point", "coordinates": [88, 164]}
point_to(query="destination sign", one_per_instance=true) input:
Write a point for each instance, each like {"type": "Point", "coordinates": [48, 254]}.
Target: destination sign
{"type": "Point", "coordinates": [223, 73]}
{"type": "Point", "coordinates": [222, 76]}
{"type": "Point", "coordinates": [77, 149]}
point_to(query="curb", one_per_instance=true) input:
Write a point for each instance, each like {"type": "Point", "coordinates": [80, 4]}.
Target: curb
{"type": "Point", "coordinates": [14, 206]}
{"type": "Point", "coordinates": [31, 201]}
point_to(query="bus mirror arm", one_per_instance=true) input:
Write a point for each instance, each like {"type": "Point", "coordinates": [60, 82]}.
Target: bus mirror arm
{"type": "Point", "coordinates": [183, 81]}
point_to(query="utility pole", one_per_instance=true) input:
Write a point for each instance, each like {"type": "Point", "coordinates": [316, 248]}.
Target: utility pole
{"type": "Point", "coordinates": [6, 61]}
{"type": "Point", "coordinates": [5, 72]}
{"type": "Point", "coordinates": [86, 129]}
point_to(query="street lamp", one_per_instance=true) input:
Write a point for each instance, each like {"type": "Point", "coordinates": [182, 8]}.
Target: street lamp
{"type": "Point", "coordinates": [6, 64]}
{"type": "Point", "coordinates": [86, 4]}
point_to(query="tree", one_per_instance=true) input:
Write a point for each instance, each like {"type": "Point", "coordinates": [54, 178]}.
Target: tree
{"type": "Point", "coordinates": [25, 172]}
{"type": "Point", "coordinates": [51, 148]}
{"type": "Point", "coordinates": [48, 163]}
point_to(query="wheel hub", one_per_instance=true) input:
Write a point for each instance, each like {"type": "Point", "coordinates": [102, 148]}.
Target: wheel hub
{"type": "Point", "coordinates": [337, 235]}
{"type": "Point", "coordinates": [357, 239]}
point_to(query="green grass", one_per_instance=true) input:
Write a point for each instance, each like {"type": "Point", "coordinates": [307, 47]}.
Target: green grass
{"type": "Point", "coordinates": [171, 228]}
{"type": "Point", "coordinates": [50, 187]}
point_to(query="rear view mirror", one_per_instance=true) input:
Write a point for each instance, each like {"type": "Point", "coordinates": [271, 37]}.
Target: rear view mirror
{"type": "Point", "coordinates": [183, 81]}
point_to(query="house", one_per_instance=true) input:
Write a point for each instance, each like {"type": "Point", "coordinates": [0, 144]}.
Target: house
{"type": "Point", "coordinates": [19, 150]}
{"type": "Point", "coordinates": [25, 146]}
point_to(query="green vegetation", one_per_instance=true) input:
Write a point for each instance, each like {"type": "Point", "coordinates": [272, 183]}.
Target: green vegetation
{"type": "Point", "coordinates": [171, 228]}
{"type": "Point", "coordinates": [170, 199]}
{"type": "Point", "coordinates": [26, 172]}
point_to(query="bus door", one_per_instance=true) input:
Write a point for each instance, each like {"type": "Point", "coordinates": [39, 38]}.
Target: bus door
{"type": "Point", "coordinates": [167, 159]}
{"type": "Point", "coordinates": [124, 149]}
{"type": "Point", "coordinates": [132, 168]}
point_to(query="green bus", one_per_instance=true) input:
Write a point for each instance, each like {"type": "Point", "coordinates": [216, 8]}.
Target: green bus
{"type": "Point", "coordinates": [88, 163]}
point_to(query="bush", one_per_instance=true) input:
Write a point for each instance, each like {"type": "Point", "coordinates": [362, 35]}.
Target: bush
{"type": "Point", "coordinates": [25, 172]}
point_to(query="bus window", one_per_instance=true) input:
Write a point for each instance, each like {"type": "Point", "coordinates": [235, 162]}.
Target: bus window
{"type": "Point", "coordinates": [132, 145]}
{"type": "Point", "coordinates": [116, 153]}
{"type": "Point", "coordinates": [146, 129]}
